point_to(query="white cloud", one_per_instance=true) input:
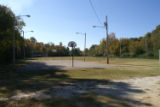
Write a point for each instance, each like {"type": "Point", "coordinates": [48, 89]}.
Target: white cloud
{"type": "Point", "coordinates": [17, 5]}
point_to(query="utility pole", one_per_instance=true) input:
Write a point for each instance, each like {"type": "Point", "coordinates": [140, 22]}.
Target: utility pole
{"type": "Point", "coordinates": [159, 56]}
{"type": "Point", "coordinates": [107, 40]}
{"type": "Point", "coordinates": [85, 47]}
{"type": "Point", "coordinates": [13, 46]}
{"type": "Point", "coordinates": [23, 45]}
{"type": "Point", "coordinates": [107, 37]}
{"type": "Point", "coordinates": [84, 44]}
{"type": "Point", "coordinates": [24, 55]}
{"type": "Point", "coordinates": [146, 45]}
{"type": "Point", "coordinates": [120, 48]}
{"type": "Point", "coordinates": [13, 38]}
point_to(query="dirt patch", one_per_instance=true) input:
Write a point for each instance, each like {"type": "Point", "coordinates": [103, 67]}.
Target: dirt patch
{"type": "Point", "coordinates": [61, 64]}
{"type": "Point", "coordinates": [141, 91]}
{"type": "Point", "coordinates": [151, 87]}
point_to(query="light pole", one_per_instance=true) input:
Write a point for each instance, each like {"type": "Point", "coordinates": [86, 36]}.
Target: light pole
{"type": "Point", "coordinates": [107, 37]}
{"type": "Point", "coordinates": [120, 47]}
{"type": "Point", "coordinates": [84, 43]}
{"type": "Point", "coordinates": [13, 42]}
{"type": "Point", "coordinates": [24, 42]}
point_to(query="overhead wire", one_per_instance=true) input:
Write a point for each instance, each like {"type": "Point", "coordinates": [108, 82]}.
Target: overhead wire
{"type": "Point", "coordinates": [94, 10]}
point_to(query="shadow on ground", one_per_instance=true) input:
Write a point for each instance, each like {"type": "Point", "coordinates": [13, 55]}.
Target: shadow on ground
{"type": "Point", "coordinates": [36, 66]}
{"type": "Point", "coordinates": [63, 90]}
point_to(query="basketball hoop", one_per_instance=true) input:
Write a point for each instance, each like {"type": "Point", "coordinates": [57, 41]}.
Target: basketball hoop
{"type": "Point", "coordinates": [72, 44]}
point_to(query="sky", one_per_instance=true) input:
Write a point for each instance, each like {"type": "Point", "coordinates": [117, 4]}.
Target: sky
{"type": "Point", "coordinates": [59, 20]}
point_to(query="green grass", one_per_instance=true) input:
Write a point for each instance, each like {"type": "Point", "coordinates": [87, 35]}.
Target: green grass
{"type": "Point", "coordinates": [13, 81]}
{"type": "Point", "coordinates": [112, 73]}
{"type": "Point", "coordinates": [124, 68]}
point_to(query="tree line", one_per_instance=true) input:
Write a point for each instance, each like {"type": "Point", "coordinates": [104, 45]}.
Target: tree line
{"type": "Point", "coordinates": [39, 49]}
{"type": "Point", "coordinates": [9, 25]}
{"type": "Point", "coordinates": [146, 46]}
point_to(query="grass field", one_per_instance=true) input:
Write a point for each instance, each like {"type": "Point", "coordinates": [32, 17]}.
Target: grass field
{"type": "Point", "coordinates": [13, 81]}
{"type": "Point", "coordinates": [125, 68]}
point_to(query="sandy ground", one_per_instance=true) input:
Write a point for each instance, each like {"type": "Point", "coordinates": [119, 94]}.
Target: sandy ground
{"type": "Point", "coordinates": [150, 87]}
{"type": "Point", "coordinates": [139, 92]}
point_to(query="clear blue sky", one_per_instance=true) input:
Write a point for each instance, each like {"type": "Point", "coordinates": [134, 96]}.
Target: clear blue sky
{"type": "Point", "coordinates": [58, 20]}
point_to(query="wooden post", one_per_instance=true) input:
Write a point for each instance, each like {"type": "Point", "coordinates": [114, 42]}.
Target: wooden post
{"type": "Point", "coordinates": [107, 40]}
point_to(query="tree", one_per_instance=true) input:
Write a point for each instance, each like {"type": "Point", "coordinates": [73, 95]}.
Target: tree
{"type": "Point", "coordinates": [33, 40]}
{"type": "Point", "coordinates": [115, 48]}
{"type": "Point", "coordinates": [8, 23]}
{"type": "Point", "coordinates": [77, 52]}
{"type": "Point", "coordinates": [102, 48]}
{"type": "Point", "coordinates": [155, 37]}
{"type": "Point", "coordinates": [93, 51]}
{"type": "Point", "coordinates": [124, 43]}
{"type": "Point", "coordinates": [136, 47]}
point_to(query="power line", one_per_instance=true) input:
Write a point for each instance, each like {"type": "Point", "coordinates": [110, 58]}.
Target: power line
{"type": "Point", "coordinates": [94, 10]}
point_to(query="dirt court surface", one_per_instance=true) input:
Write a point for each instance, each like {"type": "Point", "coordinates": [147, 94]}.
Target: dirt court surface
{"type": "Point", "coordinates": [61, 64]}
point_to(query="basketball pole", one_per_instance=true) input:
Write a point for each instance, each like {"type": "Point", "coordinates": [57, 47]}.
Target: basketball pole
{"type": "Point", "coordinates": [72, 57]}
